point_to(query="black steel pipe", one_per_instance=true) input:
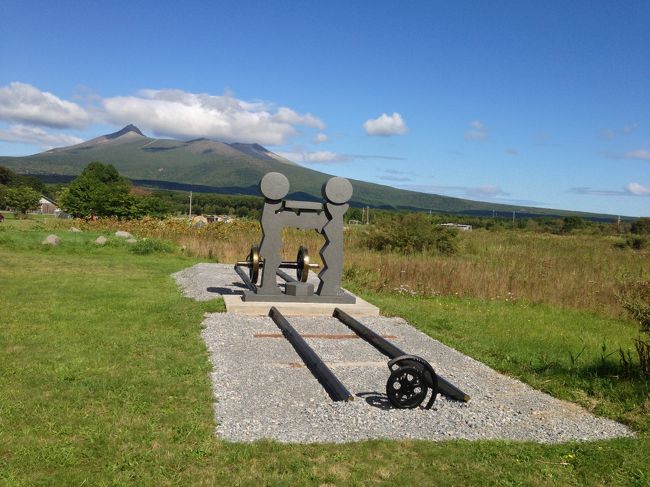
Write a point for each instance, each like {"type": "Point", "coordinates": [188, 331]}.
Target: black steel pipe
{"type": "Point", "coordinates": [285, 276]}
{"type": "Point", "coordinates": [391, 351]}
{"type": "Point", "coordinates": [334, 387]}
{"type": "Point", "coordinates": [244, 276]}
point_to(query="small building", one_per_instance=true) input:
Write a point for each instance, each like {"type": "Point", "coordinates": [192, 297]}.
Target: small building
{"type": "Point", "coordinates": [459, 226]}
{"type": "Point", "coordinates": [46, 207]}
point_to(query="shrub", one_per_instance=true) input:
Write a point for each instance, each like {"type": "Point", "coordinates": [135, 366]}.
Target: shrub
{"type": "Point", "coordinates": [410, 233]}
{"type": "Point", "coordinates": [571, 223]}
{"type": "Point", "coordinates": [636, 242]}
{"type": "Point", "coordinates": [636, 301]}
{"type": "Point", "coordinates": [150, 246]}
{"type": "Point", "coordinates": [641, 226]}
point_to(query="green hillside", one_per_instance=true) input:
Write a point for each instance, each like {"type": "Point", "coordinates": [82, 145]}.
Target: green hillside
{"type": "Point", "coordinates": [233, 168]}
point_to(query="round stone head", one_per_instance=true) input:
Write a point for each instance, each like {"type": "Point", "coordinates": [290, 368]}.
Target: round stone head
{"type": "Point", "coordinates": [337, 190]}
{"type": "Point", "coordinates": [274, 186]}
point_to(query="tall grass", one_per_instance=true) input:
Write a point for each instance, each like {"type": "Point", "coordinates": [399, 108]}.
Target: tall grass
{"type": "Point", "coordinates": [583, 272]}
{"type": "Point", "coordinates": [577, 271]}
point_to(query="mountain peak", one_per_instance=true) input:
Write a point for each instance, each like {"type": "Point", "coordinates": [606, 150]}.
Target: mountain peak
{"type": "Point", "coordinates": [128, 129]}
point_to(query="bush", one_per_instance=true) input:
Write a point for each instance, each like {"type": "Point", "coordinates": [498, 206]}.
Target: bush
{"type": "Point", "coordinates": [571, 223]}
{"type": "Point", "coordinates": [410, 233]}
{"type": "Point", "coordinates": [150, 246]}
{"type": "Point", "coordinates": [641, 226]}
{"type": "Point", "coordinates": [636, 301]}
{"type": "Point", "coordinates": [635, 242]}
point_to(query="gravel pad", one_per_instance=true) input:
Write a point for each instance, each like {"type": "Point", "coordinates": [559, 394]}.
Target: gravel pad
{"type": "Point", "coordinates": [263, 389]}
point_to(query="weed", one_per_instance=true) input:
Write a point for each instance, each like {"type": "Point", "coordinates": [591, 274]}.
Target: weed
{"type": "Point", "coordinates": [148, 246]}
{"type": "Point", "coordinates": [408, 234]}
{"type": "Point", "coordinates": [636, 301]}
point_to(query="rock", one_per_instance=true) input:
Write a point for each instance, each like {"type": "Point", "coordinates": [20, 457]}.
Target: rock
{"type": "Point", "coordinates": [75, 229]}
{"type": "Point", "coordinates": [101, 240]}
{"type": "Point", "coordinates": [123, 234]}
{"type": "Point", "coordinates": [51, 240]}
{"type": "Point", "coordinates": [131, 240]}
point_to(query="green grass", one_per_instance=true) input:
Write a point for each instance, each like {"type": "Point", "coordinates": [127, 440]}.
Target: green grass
{"type": "Point", "coordinates": [104, 380]}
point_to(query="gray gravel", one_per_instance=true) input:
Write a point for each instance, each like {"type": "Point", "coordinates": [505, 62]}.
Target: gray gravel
{"type": "Point", "coordinates": [263, 390]}
{"type": "Point", "coordinates": [204, 282]}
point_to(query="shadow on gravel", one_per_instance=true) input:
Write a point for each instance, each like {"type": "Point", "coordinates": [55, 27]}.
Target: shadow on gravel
{"type": "Point", "coordinates": [224, 291]}
{"type": "Point", "coordinates": [376, 399]}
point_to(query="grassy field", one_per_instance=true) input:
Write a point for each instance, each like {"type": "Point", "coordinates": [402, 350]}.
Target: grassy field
{"type": "Point", "coordinates": [578, 271]}
{"type": "Point", "coordinates": [104, 379]}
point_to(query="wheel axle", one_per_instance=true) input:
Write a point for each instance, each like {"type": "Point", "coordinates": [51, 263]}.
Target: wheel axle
{"type": "Point", "coordinates": [255, 262]}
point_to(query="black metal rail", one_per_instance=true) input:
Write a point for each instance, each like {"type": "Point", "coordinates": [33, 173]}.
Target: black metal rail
{"type": "Point", "coordinates": [285, 276]}
{"type": "Point", "coordinates": [244, 276]}
{"type": "Point", "coordinates": [391, 351]}
{"type": "Point", "coordinates": [325, 376]}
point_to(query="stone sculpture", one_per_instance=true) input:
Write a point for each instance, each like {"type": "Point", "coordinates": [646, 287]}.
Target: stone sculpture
{"type": "Point", "coordinates": [326, 218]}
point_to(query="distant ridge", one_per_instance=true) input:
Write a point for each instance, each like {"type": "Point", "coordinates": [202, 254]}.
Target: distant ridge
{"type": "Point", "coordinates": [235, 168]}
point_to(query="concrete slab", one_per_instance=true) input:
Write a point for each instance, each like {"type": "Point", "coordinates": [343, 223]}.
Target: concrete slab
{"type": "Point", "coordinates": [235, 304]}
{"type": "Point", "coordinates": [208, 281]}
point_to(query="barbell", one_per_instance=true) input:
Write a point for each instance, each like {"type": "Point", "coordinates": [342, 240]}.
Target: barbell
{"type": "Point", "coordinates": [255, 262]}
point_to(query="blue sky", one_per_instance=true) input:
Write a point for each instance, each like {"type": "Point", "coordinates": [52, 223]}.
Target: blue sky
{"type": "Point", "coordinates": [531, 103]}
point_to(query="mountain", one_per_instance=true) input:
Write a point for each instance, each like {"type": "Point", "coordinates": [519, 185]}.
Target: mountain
{"type": "Point", "coordinates": [260, 152]}
{"type": "Point", "coordinates": [213, 166]}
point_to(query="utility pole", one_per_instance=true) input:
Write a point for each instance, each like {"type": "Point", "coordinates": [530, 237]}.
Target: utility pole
{"type": "Point", "coordinates": [513, 219]}
{"type": "Point", "coordinates": [190, 204]}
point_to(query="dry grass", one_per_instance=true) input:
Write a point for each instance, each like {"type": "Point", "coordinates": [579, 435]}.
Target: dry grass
{"type": "Point", "coordinates": [583, 272]}
{"type": "Point", "coordinates": [578, 271]}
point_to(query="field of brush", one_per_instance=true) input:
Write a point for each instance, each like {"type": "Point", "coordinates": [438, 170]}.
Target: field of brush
{"type": "Point", "coordinates": [104, 378]}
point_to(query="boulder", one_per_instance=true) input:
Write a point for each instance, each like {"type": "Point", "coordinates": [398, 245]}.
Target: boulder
{"type": "Point", "coordinates": [75, 229]}
{"type": "Point", "coordinates": [101, 240]}
{"type": "Point", "coordinates": [123, 234]}
{"type": "Point", "coordinates": [131, 240]}
{"type": "Point", "coordinates": [52, 240]}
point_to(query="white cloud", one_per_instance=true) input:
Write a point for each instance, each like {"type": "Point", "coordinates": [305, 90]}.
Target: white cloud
{"type": "Point", "coordinates": [608, 134]}
{"type": "Point", "coordinates": [21, 102]}
{"type": "Point", "coordinates": [596, 192]}
{"type": "Point", "coordinates": [177, 113]}
{"type": "Point", "coordinates": [320, 138]}
{"type": "Point", "coordinates": [318, 157]}
{"type": "Point", "coordinates": [34, 135]}
{"type": "Point", "coordinates": [642, 154]}
{"type": "Point", "coordinates": [611, 134]}
{"type": "Point", "coordinates": [630, 189]}
{"type": "Point", "coordinates": [386, 125]}
{"type": "Point", "coordinates": [628, 129]}
{"type": "Point", "coordinates": [392, 177]}
{"type": "Point", "coordinates": [484, 191]}
{"type": "Point", "coordinates": [287, 115]}
{"type": "Point", "coordinates": [478, 131]}
{"type": "Point", "coordinates": [637, 189]}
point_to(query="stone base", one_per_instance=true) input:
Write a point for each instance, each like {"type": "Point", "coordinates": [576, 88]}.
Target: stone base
{"type": "Point", "coordinates": [343, 298]}
{"type": "Point", "coordinates": [295, 288]}
{"type": "Point", "coordinates": [235, 304]}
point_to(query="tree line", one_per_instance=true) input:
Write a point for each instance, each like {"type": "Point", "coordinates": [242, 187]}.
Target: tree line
{"type": "Point", "coordinates": [101, 191]}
